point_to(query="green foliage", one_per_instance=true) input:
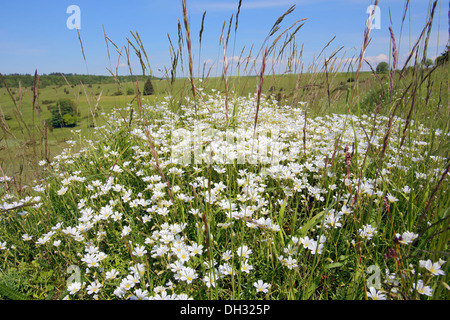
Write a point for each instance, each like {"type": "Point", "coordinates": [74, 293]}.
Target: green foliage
{"type": "Point", "coordinates": [117, 93]}
{"type": "Point", "coordinates": [428, 63]}
{"type": "Point", "coordinates": [56, 79]}
{"type": "Point", "coordinates": [63, 114]}
{"type": "Point", "coordinates": [69, 120]}
{"type": "Point", "coordinates": [443, 58]}
{"type": "Point", "coordinates": [337, 272]}
{"type": "Point", "coordinates": [148, 88]}
{"type": "Point", "coordinates": [12, 284]}
{"type": "Point", "coordinates": [11, 294]}
{"type": "Point", "coordinates": [382, 67]}
{"type": "Point", "coordinates": [39, 268]}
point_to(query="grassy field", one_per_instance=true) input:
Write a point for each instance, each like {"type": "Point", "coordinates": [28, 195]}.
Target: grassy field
{"type": "Point", "coordinates": [23, 137]}
{"type": "Point", "coordinates": [316, 186]}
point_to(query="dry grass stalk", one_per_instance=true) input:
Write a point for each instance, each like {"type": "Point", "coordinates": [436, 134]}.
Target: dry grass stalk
{"type": "Point", "coordinates": [363, 50]}
{"type": "Point", "coordinates": [18, 107]}
{"type": "Point", "coordinates": [89, 102]}
{"type": "Point", "coordinates": [82, 49]}
{"type": "Point", "coordinates": [138, 40]}
{"type": "Point", "coordinates": [200, 34]}
{"type": "Point", "coordinates": [418, 83]}
{"type": "Point", "coordinates": [225, 76]}
{"type": "Point", "coordinates": [156, 164]}
{"type": "Point", "coordinates": [394, 63]}
{"type": "Point", "coordinates": [44, 140]}
{"type": "Point", "coordinates": [433, 194]}
{"type": "Point", "coordinates": [259, 88]}
{"type": "Point", "coordinates": [4, 125]}
{"type": "Point", "coordinates": [189, 47]}
{"type": "Point", "coordinates": [36, 106]}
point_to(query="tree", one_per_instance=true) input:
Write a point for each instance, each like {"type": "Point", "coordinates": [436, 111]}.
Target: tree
{"type": "Point", "coordinates": [443, 58]}
{"type": "Point", "coordinates": [428, 63]}
{"type": "Point", "coordinates": [148, 88]}
{"type": "Point", "coordinates": [64, 114]}
{"type": "Point", "coordinates": [69, 120]}
{"type": "Point", "coordinates": [382, 67]}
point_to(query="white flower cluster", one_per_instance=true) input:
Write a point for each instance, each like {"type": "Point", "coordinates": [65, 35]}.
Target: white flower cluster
{"type": "Point", "coordinates": [159, 207]}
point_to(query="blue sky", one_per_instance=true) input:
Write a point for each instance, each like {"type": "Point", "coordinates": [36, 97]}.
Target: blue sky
{"type": "Point", "coordinates": [34, 34]}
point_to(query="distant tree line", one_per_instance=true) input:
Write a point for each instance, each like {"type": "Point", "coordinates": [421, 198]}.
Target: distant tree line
{"type": "Point", "coordinates": [383, 67]}
{"type": "Point", "coordinates": [56, 79]}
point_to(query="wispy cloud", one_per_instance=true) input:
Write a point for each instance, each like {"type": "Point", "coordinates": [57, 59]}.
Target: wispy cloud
{"type": "Point", "coordinates": [374, 60]}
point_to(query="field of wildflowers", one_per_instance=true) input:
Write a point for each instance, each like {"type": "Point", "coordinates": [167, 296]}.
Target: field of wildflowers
{"type": "Point", "coordinates": [130, 216]}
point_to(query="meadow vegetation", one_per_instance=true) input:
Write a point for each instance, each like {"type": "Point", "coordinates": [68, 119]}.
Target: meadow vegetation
{"type": "Point", "coordinates": [323, 182]}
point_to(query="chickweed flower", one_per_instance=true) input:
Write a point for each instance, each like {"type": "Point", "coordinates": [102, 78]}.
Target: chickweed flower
{"type": "Point", "coordinates": [195, 249]}
{"type": "Point", "coordinates": [244, 251]}
{"type": "Point", "coordinates": [62, 191]}
{"type": "Point", "coordinates": [367, 232]}
{"type": "Point", "coordinates": [74, 287]}
{"type": "Point", "coordinates": [246, 267]}
{"type": "Point", "coordinates": [376, 295]}
{"type": "Point", "coordinates": [407, 237]}
{"type": "Point", "coordinates": [188, 275]}
{"type": "Point", "coordinates": [227, 255]}
{"type": "Point", "coordinates": [94, 287]}
{"type": "Point", "coordinates": [434, 268]}
{"type": "Point", "coordinates": [140, 294]}
{"type": "Point", "coordinates": [210, 280]}
{"type": "Point", "coordinates": [422, 289]}
{"type": "Point", "coordinates": [125, 231]}
{"type": "Point", "coordinates": [111, 274]}
{"type": "Point", "coordinates": [391, 198]}
{"type": "Point", "coordinates": [26, 237]}
{"type": "Point", "coordinates": [261, 286]}
{"type": "Point", "coordinates": [139, 251]}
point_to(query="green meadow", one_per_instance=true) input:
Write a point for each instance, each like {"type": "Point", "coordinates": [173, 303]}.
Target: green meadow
{"type": "Point", "coordinates": [325, 183]}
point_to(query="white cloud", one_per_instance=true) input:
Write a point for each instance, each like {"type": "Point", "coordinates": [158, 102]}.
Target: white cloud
{"type": "Point", "coordinates": [374, 60]}
{"type": "Point", "coordinates": [208, 61]}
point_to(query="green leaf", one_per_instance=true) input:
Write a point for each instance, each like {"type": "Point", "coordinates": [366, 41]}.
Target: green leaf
{"type": "Point", "coordinates": [11, 293]}
{"type": "Point", "coordinates": [334, 265]}
{"type": "Point", "coordinates": [312, 222]}
{"type": "Point", "coordinates": [280, 220]}
{"type": "Point", "coordinates": [351, 289]}
{"type": "Point", "coordinates": [281, 213]}
{"type": "Point", "coordinates": [310, 290]}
